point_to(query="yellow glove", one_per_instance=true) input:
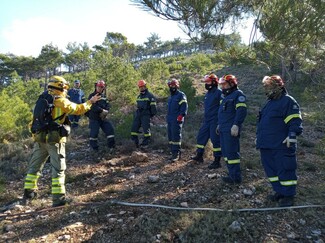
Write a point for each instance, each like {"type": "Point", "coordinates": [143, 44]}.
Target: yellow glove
{"type": "Point", "coordinates": [103, 114]}
{"type": "Point", "coordinates": [288, 141]}
{"type": "Point", "coordinates": [234, 130]}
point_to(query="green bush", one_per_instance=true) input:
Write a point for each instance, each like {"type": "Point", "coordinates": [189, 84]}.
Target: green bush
{"type": "Point", "coordinates": [14, 117]}
{"type": "Point", "coordinates": [155, 72]}
{"type": "Point", "coordinates": [120, 77]}
{"type": "Point", "coordinates": [186, 85]}
{"type": "Point", "coordinates": [199, 63]}
{"type": "Point", "coordinates": [26, 91]}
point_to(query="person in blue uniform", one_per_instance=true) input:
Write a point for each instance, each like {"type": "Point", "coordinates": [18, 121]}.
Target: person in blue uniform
{"type": "Point", "coordinates": [76, 95]}
{"type": "Point", "coordinates": [279, 124]}
{"type": "Point", "coordinates": [208, 128]}
{"type": "Point", "coordinates": [146, 109]}
{"type": "Point", "coordinates": [98, 118]}
{"type": "Point", "coordinates": [231, 114]}
{"type": "Point", "coordinates": [177, 110]}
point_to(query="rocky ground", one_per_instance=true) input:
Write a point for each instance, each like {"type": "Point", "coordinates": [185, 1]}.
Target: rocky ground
{"type": "Point", "coordinates": [139, 196]}
{"type": "Point", "coordinates": [101, 190]}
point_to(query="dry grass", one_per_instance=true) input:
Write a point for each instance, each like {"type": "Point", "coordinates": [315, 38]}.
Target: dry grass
{"type": "Point", "coordinates": [100, 180]}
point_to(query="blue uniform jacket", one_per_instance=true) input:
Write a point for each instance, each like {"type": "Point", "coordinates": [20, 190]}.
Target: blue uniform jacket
{"type": "Point", "coordinates": [146, 103]}
{"type": "Point", "coordinates": [211, 104]}
{"type": "Point", "coordinates": [76, 95]}
{"type": "Point", "coordinates": [232, 110]}
{"type": "Point", "coordinates": [177, 105]}
{"type": "Point", "coordinates": [278, 119]}
{"type": "Point", "coordinates": [98, 107]}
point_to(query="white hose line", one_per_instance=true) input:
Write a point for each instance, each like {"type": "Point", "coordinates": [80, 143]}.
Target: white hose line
{"type": "Point", "coordinates": [214, 209]}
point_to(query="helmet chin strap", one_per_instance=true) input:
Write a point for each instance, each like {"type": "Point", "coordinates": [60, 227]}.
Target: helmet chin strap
{"type": "Point", "coordinates": [274, 94]}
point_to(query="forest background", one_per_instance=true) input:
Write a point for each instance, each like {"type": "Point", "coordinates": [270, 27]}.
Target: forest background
{"type": "Point", "coordinates": [293, 46]}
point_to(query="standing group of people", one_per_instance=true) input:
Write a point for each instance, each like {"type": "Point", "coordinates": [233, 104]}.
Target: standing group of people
{"type": "Point", "coordinates": [225, 110]}
{"type": "Point", "coordinates": [224, 113]}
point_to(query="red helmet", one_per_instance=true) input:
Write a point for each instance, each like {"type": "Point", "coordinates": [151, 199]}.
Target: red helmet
{"type": "Point", "coordinates": [141, 83]}
{"type": "Point", "coordinates": [100, 83]}
{"type": "Point", "coordinates": [229, 78]}
{"type": "Point", "coordinates": [173, 82]}
{"type": "Point", "coordinates": [274, 79]}
{"type": "Point", "coordinates": [211, 78]}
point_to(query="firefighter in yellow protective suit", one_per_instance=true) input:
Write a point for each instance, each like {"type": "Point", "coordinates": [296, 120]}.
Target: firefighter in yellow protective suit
{"type": "Point", "coordinates": [52, 143]}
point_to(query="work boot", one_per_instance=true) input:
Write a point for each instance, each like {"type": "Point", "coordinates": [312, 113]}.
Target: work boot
{"type": "Point", "coordinates": [198, 157]}
{"type": "Point", "coordinates": [29, 194]}
{"type": "Point", "coordinates": [229, 180]}
{"type": "Point", "coordinates": [136, 144]}
{"type": "Point", "coordinates": [215, 164]}
{"type": "Point", "coordinates": [286, 201]}
{"type": "Point", "coordinates": [135, 139]}
{"type": "Point", "coordinates": [175, 156]}
{"type": "Point", "coordinates": [145, 142]}
{"type": "Point", "coordinates": [274, 197]}
{"type": "Point", "coordinates": [60, 200]}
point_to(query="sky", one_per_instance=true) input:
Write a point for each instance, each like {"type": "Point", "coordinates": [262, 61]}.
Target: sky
{"type": "Point", "coordinates": [27, 26]}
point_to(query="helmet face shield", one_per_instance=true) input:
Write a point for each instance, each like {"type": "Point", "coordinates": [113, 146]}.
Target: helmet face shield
{"type": "Point", "coordinates": [58, 83]}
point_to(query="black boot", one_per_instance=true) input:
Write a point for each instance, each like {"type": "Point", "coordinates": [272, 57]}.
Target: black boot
{"type": "Point", "coordinates": [198, 157]}
{"type": "Point", "coordinates": [135, 139]}
{"type": "Point", "coordinates": [29, 194]}
{"type": "Point", "coordinates": [215, 164]}
{"type": "Point", "coordinates": [286, 201]}
{"type": "Point", "coordinates": [274, 197]}
{"type": "Point", "coordinates": [60, 200]}
{"type": "Point", "coordinates": [145, 142]}
{"type": "Point", "coordinates": [175, 156]}
{"type": "Point", "coordinates": [229, 180]}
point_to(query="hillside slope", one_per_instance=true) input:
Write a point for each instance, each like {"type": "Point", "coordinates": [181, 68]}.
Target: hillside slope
{"type": "Point", "coordinates": [114, 195]}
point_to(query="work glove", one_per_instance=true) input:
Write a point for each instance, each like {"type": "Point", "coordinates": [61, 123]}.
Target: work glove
{"type": "Point", "coordinates": [180, 119]}
{"type": "Point", "coordinates": [290, 140]}
{"type": "Point", "coordinates": [234, 130]}
{"type": "Point", "coordinates": [103, 114]}
{"type": "Point", "coordinates": [217, 130]}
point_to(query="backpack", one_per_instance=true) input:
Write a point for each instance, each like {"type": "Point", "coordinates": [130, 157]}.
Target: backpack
{"type": "Point", "coordinates": [42, 114]}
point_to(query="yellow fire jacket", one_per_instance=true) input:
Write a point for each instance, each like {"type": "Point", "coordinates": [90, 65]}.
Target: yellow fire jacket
{"type": "Point", "coordinates": [61, 106]}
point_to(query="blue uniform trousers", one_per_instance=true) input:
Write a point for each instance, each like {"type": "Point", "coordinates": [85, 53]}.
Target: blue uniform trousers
{"type": "Point", "coordinates": [106, 127]}
{"type": "Point", "coordinates": [206, 132]}
{"type": "Point", "coordinates": [230, 148]}
{"type": "Point", "coordinates": [280, 167]}
{"type": "Point", "coordinates": [144, 122]}
{"type": "Point", "coordinates": [174, 130]}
